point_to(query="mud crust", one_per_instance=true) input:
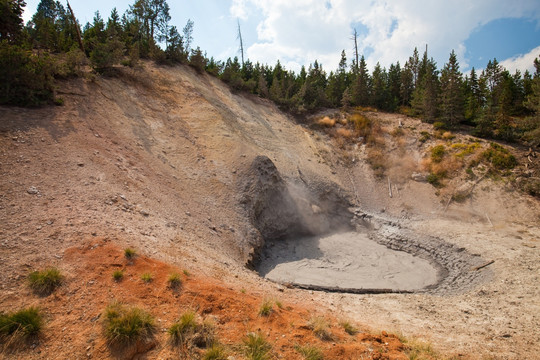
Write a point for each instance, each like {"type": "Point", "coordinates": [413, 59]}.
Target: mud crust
{"type": "Point", "coordinates": [456, 266]}
{"type": "Point", "coordinates": [458, 271]}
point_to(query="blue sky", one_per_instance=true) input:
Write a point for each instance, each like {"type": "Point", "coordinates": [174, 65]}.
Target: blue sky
{"type": "Point", "coordinates": [298, 32]}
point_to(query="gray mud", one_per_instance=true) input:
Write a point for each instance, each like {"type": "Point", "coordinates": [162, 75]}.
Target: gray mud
{"type": "Point", "coordinates": [380, 257]}
{"type": "Point", "coordinates": [348, 260]}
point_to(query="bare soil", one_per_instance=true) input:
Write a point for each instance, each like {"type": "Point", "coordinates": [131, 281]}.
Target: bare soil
{"type": "Point", "coordinates": [156, 159]}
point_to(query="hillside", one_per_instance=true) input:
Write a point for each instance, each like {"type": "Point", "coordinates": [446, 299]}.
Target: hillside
{"type": "Point", "coordinates": [171, 163]}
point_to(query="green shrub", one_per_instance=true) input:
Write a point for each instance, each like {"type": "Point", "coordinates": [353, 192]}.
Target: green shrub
{"type": "Point", "coordinates": [434, 179]}
{"type": "Point", "coordinates": [130, 253]}
{"type": "Point", "coordinates": [499, 157]}
{"type": "Point", "coordinates": [147, 277]}
{"type": "Point", "coordinates": [215, 352]}
{"type": "Point", "coordinates": [425, 136]}
{"type": "Point", "coordinates": [256, 347]}
{"type": "Point", "coordinates": [125, 325]}
{"type": "Point", "coordinates": [439, 125]}
{"type": "Point", "coordinates": [349, 328]}
{"type": "Point", "coordinates": [24, 322]}
{"type": "Point", "coordinates": [175, 281]}
{"type": "Point", "coordinates": [266, 307]}
{"type": "Point", "coordinates": [105, 55]}
{"type": "Point", "coordinates": [118, 275]}
{"type": "Point", "coordinates": [320, 328]}
{"type": "Point", "coordinates": [182, 330]}
{"type": "Point", "coordinates": [26, 79]}
{"type": "Point", "coordinates": [309, 352]}
{"type": "Point", "coordinates": [46, 281]}
{"type": "Point", "coordinates": [437, 153]}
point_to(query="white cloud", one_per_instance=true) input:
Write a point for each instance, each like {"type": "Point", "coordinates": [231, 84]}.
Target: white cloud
{"type": "Point", "coordinates": [239, 9]}
{"type": "Point", "coordinates": [522, 62]}
{"type": "Point", "coordinates": [301, 31]}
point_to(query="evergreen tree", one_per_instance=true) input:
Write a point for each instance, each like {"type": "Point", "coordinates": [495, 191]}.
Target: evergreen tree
{"type": "Point", "coordinates": [379, 91]}
{"type": "Point", "coordinates": [42, 28]}
{"type": "Point", "coordinates": [174, 51]}
{"type": "Point", "coordinates": [430, 82]}
{"type": "Point", "coordinates": [346, 99]}
{"type": "Point", "coordinates": [490, 81]}
{"type": "Point", "coordinates": [531, 124]}
{"type": "Point", "coordinates": [197, 60]}
{"type": "Point", "coordinates": [312, 94]}
{"type": "Point", "coordinates": [262, 86]}
{"type": "Point", "coordinates": [425, 96]}
{"type": "Point", "coordinates": [108, 52]}
{"type": "Point", "coordinates": [338, 82]}
{"type": "Point", "coordinates": [474, 101]}
{"type": "Point", "coordinates": [149, 20]}
{"type": "Point", "coordinates": [414, 67]}
{"type": "Point", "coordinates": [394, 87]}
{"type": "Point", "coordinates": [188, 34]}
{"type": "Point", "coordinates": [452, 110]}
{"type": "Point", "coordinates": [231, 73]}
{"type": "Point", "coordinates": [406, 84]}
{"type": "Point", "coordinates": [11, 22]}
{"type": "Point", "coordinates": [361, 90]}
{"type": "Point", "coordinates": [214, 67]}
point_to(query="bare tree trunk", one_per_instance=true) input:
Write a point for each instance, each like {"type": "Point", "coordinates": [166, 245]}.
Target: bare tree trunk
{"type": "Point", "coordinates": [79, 38]}
{"type": "Point", "coordinates": [241, 43]}
{"type": "Point", "coordinates": [355, 38]}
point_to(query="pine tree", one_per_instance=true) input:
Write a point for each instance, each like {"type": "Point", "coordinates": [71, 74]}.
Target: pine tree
{"type": "Point", "coordinates": [414, 66]}
{"type": "Point", "coordinates": [394, 87]}
{"type": "Point", "coordinates": [42, 28]}
{"type": "Point", "coordinates": [262, 86]}
{"type": "Point", "coordinates": [452, 111]}
{"type": "Point", "coordinates": [11, 22]}
{"type": "Point", "coordinates": [346, 99]}
{"type": "Point", "coordinates": [197, 60]}
{"type": "Point", "coordinates": [107, 53]}
{"type": "Point", "coordinates": [379, 90]}
{"type": "Point", "coordinates": [490, 81]}
{"type": "Point", "coordinates": [174, 51]}
{"type": "Point", "coordinates": [361, 90]}
{"type": "Point", "coordinates": [188, 34]}
{"type": "Point", "coordinates": [150, 19]}
{"type": "Point", "coordinates": [425, 96]}
{"type": "Point", "coordinates": [406, 84]}
{"type": "Point", "coordinates": [430, 82]}
{"type": "Point", "coordinates": [474, 100]}
{"type": "Point", "coordinates": [531, 125]}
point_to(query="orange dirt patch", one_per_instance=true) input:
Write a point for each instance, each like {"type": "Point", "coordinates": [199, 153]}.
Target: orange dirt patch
{"type": "Point", "coordinates": [74, 313]}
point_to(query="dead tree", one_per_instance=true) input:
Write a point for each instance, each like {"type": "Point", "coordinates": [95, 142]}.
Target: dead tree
{"type": "Point", "coordinates": [79, 38]}
{"type": "Point", "coordinates": [241, 42]}
{"type": "Point", "coordinates": [355, 39]}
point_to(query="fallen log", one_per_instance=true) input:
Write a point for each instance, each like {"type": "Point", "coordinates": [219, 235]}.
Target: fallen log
{"type": "Point", "coordinates": [336, 289]}
{"type": "Point", "coordinates": [476, 268]}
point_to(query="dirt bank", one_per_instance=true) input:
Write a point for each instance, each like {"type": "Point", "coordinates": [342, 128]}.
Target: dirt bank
{"type": "Point", "coordinates": [157, 159]}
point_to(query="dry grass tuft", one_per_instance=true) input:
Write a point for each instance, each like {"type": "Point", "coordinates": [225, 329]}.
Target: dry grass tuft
{"type": "Point", "coordinates": [45, 281]}
{"type": "Point", "coordinates": [320, 327]}
{"type": "Point", "coordinates": [327, 122]}
{"type": "Point", "coordinates": [346, 133]}
{"type": "Point", "coordinates": [124, 325]}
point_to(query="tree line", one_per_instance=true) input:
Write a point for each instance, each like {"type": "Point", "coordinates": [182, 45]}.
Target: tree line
{"type": "Point", "coordinates": [492, 103]}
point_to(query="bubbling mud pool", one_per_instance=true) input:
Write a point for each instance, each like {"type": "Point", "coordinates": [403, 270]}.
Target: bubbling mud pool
{"type": "Point", "coordinates": [348, 260]}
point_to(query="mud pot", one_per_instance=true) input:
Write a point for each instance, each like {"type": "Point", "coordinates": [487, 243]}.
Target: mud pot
{"type": "Point", "coordinates": [381, 257]}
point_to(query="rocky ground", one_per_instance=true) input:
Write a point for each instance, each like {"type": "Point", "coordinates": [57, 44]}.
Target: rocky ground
{"type": "Point", "coordinates": [176, 166]}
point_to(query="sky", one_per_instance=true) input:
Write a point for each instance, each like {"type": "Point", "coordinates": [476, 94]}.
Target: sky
{"type": "Point", "coordinates": [298, 32]}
